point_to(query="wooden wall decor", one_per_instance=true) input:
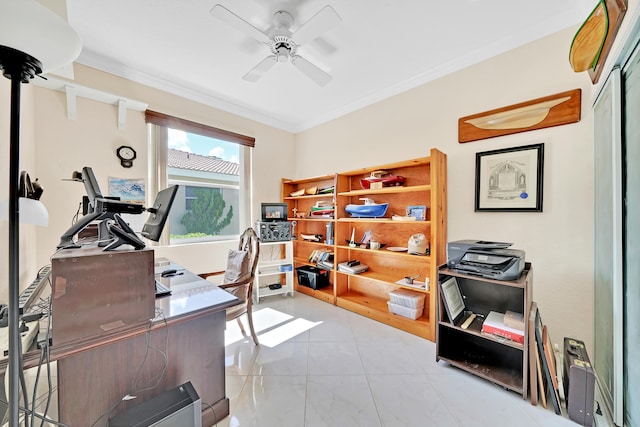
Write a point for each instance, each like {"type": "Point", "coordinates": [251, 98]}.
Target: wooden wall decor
{"type": "Point", "coordinates": [587, 44]}
{"type": "Point", "coordinates": [616, 10]}
{"type": "Point", "coordinates": [554, 110]}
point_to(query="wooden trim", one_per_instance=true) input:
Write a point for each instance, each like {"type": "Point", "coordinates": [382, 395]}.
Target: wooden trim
{"type": "Point", "coordinates": [213, 273]}
{"type": "Point", "coordinates": [559, 109]}
{"type": "Point", "coordinates": [165, 120]}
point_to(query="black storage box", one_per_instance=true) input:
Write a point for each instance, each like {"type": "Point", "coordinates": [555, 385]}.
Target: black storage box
{"type": "Point", "coordinates": [312, 277]}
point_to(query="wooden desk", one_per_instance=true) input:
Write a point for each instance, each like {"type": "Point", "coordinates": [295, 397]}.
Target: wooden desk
{"type": "Point", "coordinates": [94, 374]}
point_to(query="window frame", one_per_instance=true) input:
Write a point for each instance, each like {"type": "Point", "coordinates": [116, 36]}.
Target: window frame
{"type": "Point", "coordinates": [158, 179]}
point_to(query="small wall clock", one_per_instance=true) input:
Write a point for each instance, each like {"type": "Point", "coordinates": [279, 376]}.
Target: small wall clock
{"type": "Point", "coordinates": [126, 155]}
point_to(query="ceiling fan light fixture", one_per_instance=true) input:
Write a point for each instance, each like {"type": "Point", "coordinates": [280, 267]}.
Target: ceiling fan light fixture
{"type": "Point", "coordinates": [284, 44]}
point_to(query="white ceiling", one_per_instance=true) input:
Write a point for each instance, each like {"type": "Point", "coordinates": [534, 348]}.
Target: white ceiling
{"type": "Point", "coordinates": [382, 47]}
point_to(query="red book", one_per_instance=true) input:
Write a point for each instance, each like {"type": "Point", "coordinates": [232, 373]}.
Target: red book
{"type": "Point", "coordinates": [494, 324]}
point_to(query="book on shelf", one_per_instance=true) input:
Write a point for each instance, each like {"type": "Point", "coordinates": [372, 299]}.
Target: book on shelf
{"type": "Point", "coordinates": [494, 324]}
{"type": "Point", "coordinates": [318, 255]}
{"type": "Point", "coordinates": [325, 264]}
{"type": "Point", "coordinates": [514, 320]}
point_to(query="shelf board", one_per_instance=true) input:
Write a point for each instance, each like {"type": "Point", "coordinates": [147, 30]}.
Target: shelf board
{"type": "Point", "coordinates": [266, 292]}
{"type": "Point", "coordinates": [267, 264]}
{"type": "Point", "coordinates": [507, 378]}
{"type": "Point", "coordinates": [381, 221]}
{"type": "Point", "coordinates": [325, 294]}
{"type": "Point", "coordinates": [384, 279]}
{"type": "Point", "coordinates": [387, 190]}
{"type": "Point", "coordinates": [270, 272]}
{"type": "Point", "coordinates": [421, 161]}
{"type": "Point", "coordinates": [311, 179]}
{"type": "Point", "coordinates": [311, 219]}
{"type": "Point", "coordinates": [476, 329]}
{"type": "Point", "coordinates": [384, 252]}
{"type": "Point", "coordinates": [309, 242]}
{"type": "Point", "coordinates": [310, 196]}
{"type": "Point", "coordinates": [518, 283]}
{"type": "Point", "coordinates": [377, 309]}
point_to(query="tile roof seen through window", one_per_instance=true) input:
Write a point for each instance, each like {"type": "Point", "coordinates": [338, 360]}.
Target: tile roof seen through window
{"type": "Point", "coordinates": [184, 160]}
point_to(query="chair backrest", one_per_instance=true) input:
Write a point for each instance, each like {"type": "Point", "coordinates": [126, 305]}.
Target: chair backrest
{"type": "Point", "coordinates": [241, 268]}
{"type": "Point", "coordinates": [250, 243]}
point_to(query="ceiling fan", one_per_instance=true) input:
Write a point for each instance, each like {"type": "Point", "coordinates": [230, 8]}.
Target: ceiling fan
{"type": "Point", "coordinates": [283, 43]}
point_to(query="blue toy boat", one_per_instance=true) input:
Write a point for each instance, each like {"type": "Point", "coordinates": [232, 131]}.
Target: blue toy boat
{"type": "Point", "coordinates": [370, 209]}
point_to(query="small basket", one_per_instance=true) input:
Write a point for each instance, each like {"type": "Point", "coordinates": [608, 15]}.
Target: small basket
{"type": "Point", "coordinates": [411, 313]}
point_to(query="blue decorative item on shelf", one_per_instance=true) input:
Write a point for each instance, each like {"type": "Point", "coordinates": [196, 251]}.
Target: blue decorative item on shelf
{"type": "Point", "coordinates": [370, 209]}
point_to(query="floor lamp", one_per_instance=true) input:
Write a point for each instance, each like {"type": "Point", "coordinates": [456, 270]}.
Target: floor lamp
{"type": "Point", "coordinates": [33, 40]}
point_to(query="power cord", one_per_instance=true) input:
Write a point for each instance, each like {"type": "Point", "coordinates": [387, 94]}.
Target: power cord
{"type": "Point", "coordinates": [156, 378]}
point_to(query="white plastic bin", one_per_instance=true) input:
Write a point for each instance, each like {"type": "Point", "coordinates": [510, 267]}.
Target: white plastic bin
{"type": "Point", "coordinates": [407, 298]}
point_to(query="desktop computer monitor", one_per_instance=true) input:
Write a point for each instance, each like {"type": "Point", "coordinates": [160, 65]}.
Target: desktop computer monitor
{"type": "Point", "coordinates": [159, 213]}
{"type": "Point", "coordinates": [99, 208]}
{"type": "Point", "coordinates": [91, 187]}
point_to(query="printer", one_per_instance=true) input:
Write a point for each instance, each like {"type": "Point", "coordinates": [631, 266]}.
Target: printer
{"type": "Point", "coordinates": [493, 260]}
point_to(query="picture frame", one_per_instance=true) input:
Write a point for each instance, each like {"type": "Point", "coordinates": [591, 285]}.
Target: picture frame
{"type": "Point", "coordinates": [418, 212]}
{"type": "Point", "coordinates": [510, 179]}
{"type": "Point", "coordinates": [549, 374]}
{"type": "Point", "coordinates": [452, 299]}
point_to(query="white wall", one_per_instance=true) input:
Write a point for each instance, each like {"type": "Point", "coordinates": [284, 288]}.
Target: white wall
{"type": "Point", "coordinates": [558, 241]}
{"type": "Point", "coordinates": [63, 146]}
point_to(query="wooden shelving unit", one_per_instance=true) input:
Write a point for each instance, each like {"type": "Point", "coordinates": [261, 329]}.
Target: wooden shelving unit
{"type": "Point", "coordinates": [496, 359]}
{"type": "Point", "coordinates": [307, 225]}
{"type": "Point", "coordinates": [368, 293]}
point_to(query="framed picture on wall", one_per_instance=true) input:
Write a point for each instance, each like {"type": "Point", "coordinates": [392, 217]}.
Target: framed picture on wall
{"type": "Point", "coordinates": [510, 179]}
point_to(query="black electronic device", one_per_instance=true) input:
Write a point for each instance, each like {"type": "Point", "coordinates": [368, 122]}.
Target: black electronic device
{"type": "Point", "coordinates": [98, 208]}
{"type": "Point", "coordinates": [159, 213]}
{"type": "Point", "coordinates": [274, 231]}
{"type": "Point", "coordinates": [271, 212]}
{"type": "Point", "coordinates": [91, 186]}
{"type": "Point", "coordinates": [180, 406]}
{"type": "Point", "coordinates": [123, 235]}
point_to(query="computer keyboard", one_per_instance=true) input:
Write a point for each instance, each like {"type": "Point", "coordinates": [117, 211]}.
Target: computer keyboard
{"type": "Point", "coordinates": [162, 290]}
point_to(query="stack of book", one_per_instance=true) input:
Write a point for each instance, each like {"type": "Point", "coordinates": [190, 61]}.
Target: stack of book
{"type": "Point", "coordinates": [495, 324]}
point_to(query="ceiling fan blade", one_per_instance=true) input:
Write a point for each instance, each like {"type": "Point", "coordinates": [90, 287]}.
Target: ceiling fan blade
{"type": "Point", "coordinates": [233, 20]}
{"type": "Point", "coordinates": [259, 70]}
{"type": "Point", "coordinates": [311, 70]}
{"type": "Point", "coordinates": [323, 21]}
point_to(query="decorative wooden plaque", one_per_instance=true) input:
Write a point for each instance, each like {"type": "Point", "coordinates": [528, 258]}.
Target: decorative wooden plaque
{"type": "Point", "coordinates": [554, 110]}
{"type": "Point", "coordinates": [616, 10]}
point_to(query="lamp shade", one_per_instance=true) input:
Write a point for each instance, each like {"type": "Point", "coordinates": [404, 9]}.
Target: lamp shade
{"type": "Point", "coordinates": [31, 211]}
{"type": "Point", "coordinates": [31, 28]}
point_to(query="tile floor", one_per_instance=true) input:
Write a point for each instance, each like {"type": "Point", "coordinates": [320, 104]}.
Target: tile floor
{"type": "Point", "coordinates": [320, 365]}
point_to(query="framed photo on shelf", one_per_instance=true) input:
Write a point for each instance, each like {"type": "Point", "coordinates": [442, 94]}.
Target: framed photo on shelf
{"type": "Point", "coordinates": [510, 179]}
{"type": "Point", "coordinates": [453, 300]}
{"type": "Point", "coordinates": [418, 212]}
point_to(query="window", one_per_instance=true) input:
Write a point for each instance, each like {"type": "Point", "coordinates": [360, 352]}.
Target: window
{"type": "Point", "coordinates": [210, 166]}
